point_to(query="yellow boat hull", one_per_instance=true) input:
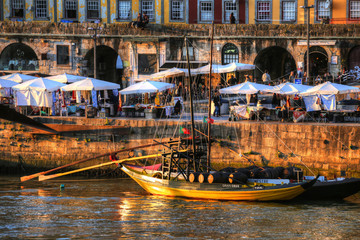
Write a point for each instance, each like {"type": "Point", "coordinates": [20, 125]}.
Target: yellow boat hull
{"type": "Point", "coordinates": [217, 191]}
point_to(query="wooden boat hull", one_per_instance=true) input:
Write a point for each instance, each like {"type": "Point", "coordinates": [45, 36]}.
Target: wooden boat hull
{"type": "Point", "coordinates": [331, 190]}
{"type": "Point", "coordinates": [217, 191]}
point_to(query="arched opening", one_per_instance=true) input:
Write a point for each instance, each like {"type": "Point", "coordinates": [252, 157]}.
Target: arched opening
{"type": "Point", "coordinates": [106, 60]}
{"type": "Point", "coordinates": [277, 61]}
{"type": "Point", "coordinates": [318, 61]}
{"type": "Point", "coordinates": [354, 58]}
{"type": "Point", "coordinates": [230, 54]}
{"type": "Point", "coordinates": [18, 57]}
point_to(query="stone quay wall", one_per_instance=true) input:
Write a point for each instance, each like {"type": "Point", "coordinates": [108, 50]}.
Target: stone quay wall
{"type": "Point", "coordinates": [330, 149]}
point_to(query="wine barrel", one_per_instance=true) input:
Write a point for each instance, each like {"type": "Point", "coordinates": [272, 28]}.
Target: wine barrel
{"type": "Point", "coordinates": [244, 171]}
{"type": "Point", "coordinates": [238, 177]}
{"type": "Point", "coordinates": [194, 177]}
{"type": "Point", "coordinates": [218, 177]}
{"type": "Point", "coordinates": [202, 178]}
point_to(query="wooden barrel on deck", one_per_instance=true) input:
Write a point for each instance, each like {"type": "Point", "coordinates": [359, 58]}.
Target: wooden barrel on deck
{"type": "Point", "coordinates": [218, 177]}
{"type": "Point", "coordinates": [203, 177]}
{"type": "Point", "coordinates": [238, 177]}
{"type": "Point", "coordinates": [194, 177]}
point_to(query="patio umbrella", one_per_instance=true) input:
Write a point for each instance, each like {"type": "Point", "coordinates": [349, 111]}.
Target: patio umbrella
{"type": "Point", "coordinates": [66, 78]}
{"type": "Point", "coordinates": [7, 83]}
{"type": "Point", "coordinates": [289, 88]}
{"type": "Point", "coordinates": [231, 67]}
{"type": "Point", "coordinates": [91, 84]}
{"type": "Point", "coordinates": [173, 72]}
{"type": "Point", "coordinates": [245, 88]}
{"type": "Point", "coordinates": [18, 77]}
{"type": "Point", "coordinates": [330, 88]}
{"type": "Point", "coordinates": [147, 87]}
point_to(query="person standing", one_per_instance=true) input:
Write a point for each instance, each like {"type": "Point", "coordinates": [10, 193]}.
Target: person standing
{"type": "Point", "coordinates": [217, 104]}
{"type": "Point", "coordinates": [232, 18]}
{"type": "Point", "coordinates": [266, 77]}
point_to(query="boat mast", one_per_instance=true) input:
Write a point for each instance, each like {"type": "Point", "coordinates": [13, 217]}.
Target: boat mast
{"type": "Point", "coordinates": [191, 109]}
{"type": "Point", "coordinates": [209, 104]}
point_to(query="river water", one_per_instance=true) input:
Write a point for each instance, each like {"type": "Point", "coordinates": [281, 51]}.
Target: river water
{"type": "Point", "coordinates": [120, 209]}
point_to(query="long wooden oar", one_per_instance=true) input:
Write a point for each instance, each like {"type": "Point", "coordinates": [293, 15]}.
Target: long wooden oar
{"type": "Point", "coordinates": [26, 178]}
{"type": "Point", "coordinates": [43, 177]}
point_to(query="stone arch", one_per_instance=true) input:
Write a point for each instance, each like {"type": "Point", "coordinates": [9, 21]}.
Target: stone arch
{"type": "Point", "coordinates": [18, 56]}
{"type": "Point", "coordinates": [229, 53]}
{"type": "Point", "coordinates": [318, 61]}
{"type": "Point", "coordinates": [354, 58]}
{"type": "Point", "coordinates": [106, 64]}
{"type": "Point", "coordinates": [277, 60]}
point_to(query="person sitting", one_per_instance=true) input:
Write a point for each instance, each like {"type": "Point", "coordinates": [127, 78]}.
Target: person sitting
{"type": "Point", "coordinates": [145, 21]}
{"type": "Point", "coordinates": [137, 23]}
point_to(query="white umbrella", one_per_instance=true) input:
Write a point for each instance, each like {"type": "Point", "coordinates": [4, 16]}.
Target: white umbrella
{"type": "Point", "coordinates": [231, 67]}
{"type": "Point", "coordinates": [289, 88]}
{"type": "Point", "coordinates": [90, 84]}
{"type": "Point", "coordinates": [18, 77]}
{"type": "Point", "coordinates": [7, 83]}
{"type": "Point", "coordinates": [330, 88]}
{"type": "Point", "coordinates": [245, 88]}
{"type": "Point", "coordinates": [147, 87]}
{"type": "Point", "coordinates": [173, 72]}
{"type": "Point", "coordinates": [66, 78]}
{"type": "Point", "coordinates": [39, 84]}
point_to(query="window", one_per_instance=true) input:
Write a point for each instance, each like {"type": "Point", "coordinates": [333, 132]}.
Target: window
{"type": "Point", "coordinates": [124, 10]}
{"type": "Point", "coordinates": [17, 9]}
{"type": "Point", "coordinates": [229, 7]}
{"type": "Point", "coordinates": [70, 9]}
{"type": "Point", "coordinates": [177, 10]}
{"type": "Point", "coordinates": [206, 11]}
{"type": "Point", "coordinates": [323, 10]}
{"type": "Point", "coordinates": [41, 9]}
{"type": "Point", "coordinates": [354, 10]}
{"type": "Point", "coordinates": [288, 11]}
{"type": "Point", "coordinates": [62, 54]}
{"type": "Point", "coordinates": [263, 11]}
{"type": "Point", "coordinates": [93, 9]}
{"type": "Point", "coordinates": [230, 54]}
{"type": "Point", "coordinates": [147, 7]}
{"type": "Point", "coordinates": [191, 54]}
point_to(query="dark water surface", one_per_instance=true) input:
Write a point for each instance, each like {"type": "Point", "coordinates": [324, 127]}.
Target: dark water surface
{"type": "Point", "coordinates": [120, 209]}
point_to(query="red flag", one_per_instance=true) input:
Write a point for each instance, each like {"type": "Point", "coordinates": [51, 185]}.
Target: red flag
{"type": "Point", "coordinates": [184, 130]}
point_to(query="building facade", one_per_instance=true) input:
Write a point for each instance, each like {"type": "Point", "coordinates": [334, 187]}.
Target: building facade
{"type": "Point", "coordinates": [53, 37]}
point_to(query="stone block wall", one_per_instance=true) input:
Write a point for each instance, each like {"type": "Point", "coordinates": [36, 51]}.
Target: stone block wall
{"type": "Point", "coordinates": [324, 148]}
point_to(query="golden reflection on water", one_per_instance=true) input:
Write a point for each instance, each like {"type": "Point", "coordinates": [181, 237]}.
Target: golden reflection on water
{"type": "Point", "coordinates": [111, 209]}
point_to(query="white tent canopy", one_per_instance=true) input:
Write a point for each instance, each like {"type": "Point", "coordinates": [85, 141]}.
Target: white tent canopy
{"type": "Point", "coordinates": [330, 88]}
{"type": "Point", "coordinates": [231, 67]}
{"type": "Point", "coordinates": [66, 78]}
{"type": "Point", "coordinates": [245, 88]}
{"type": "Point", "coordinates": [36, 92]}
{"type": "Point", "coordinates": [18, 77]}
{"type": "Point", "coordinates": [39, 84]}
{"type": "Point", "coordinates": [7, 83]}
{"type": "Point", "coordinates": [89, 84]}
{"type": "Point", "coordinates": [173, 72]}
{"type": "Point", "coordinates": [147, 87]}
{"type": "Point", "coordinates": [289, 88]}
